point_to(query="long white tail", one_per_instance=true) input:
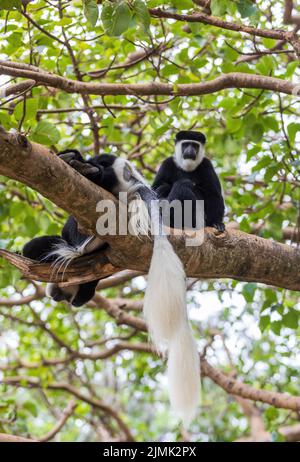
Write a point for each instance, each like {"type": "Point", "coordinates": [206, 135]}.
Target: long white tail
{"type": "Point", "coordinates": [166, 315]}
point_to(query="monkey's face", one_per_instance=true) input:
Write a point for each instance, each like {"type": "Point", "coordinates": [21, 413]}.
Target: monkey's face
{"type": "Point", "coordinates": [189, 150]}
{"type": "Point", "coordinates": [128, 178]}
{"type": "Point", "coordinates": [189, 154]}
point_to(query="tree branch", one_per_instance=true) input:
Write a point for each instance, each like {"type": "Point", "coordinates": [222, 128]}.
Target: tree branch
{"type": "Point", "coordinates": [67, 412]}
{"type": "Point", "coordinates": [217, 22]}
{"type": "Point", "coordinates": [289, 17]}
{"type": "Point", "coordinates": [6, 438]}
{"type": "Point", "coordinates": [233, 254]}
{"type": "Point", "coordinates": [203, 18]}
{"type": "Point", "coordinates": [230, 80]}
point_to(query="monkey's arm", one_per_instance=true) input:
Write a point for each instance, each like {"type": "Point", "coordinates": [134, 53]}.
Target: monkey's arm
{"type": "Point", "coordinates": [162, 184]}
{"type": "Point", "coordinates": [214, 203]}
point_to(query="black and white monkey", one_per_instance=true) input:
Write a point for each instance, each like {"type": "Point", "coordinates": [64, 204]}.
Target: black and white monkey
{"type": "Point", "coordinates": [165, 297]}
{"type": "Point", "coordinates": [189, 175]}
{"type": "Point", "coordinates": [111, 173]}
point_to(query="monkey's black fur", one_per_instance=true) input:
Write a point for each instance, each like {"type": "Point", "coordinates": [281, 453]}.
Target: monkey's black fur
{"type": "Point", "coordinates": [199, 182]}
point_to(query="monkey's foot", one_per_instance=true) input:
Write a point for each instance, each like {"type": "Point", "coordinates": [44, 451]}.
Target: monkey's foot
{"type": "Point", "coordinates": [219, 227]}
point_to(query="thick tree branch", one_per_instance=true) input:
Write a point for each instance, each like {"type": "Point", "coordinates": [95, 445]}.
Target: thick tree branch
{"type": "Point", "coordinates": [235, 387]}
{"type": "Point", "coordinates": [217, 22]}
{"type": "Point", "coordinates": [230, 80]}
{"type": "Point", "coordinates": [6, 438]}
{"type": "Point", "coordinates": [233, 254]}
{"type": "Point", "coordinates": [203, 18]}
{"type": "Point", "coordinates": [291, 433]}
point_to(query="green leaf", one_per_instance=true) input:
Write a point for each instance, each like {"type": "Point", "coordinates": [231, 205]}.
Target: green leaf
{"type": "Point", "coordinates": [233, 124]}
{"type": "Point", "coordinates": [266, 65]}
{"type": "Point", "coordinates": [293, 128]}
{"type": "Point", "coordinates": [249, 291]}
{"type": "Point", "coordinates": [116, 19]}
{"type": "Point", "coordinates": [182, 4]}
{"type": "Point", "coordinates": [276, 327]}
{"type": "Point", "coordinates": [218, 7]}
{"type": "Point", "coordinates": [264, 322]}
{"type": "Point", "coordinates": [291, 319]}
{"type": "Point", "coordinates": [271, 413]}
{"type": "Point", "coordinates": [31, 107]}
{"type": "Point", "coordinates": [278, 307]}
{"type": "Point", "coordinates": [271, 122]}
{"type": "Point", "coordinates": [291, 68]}
{"type": "Point", "coordinates": [91, 11]}
{"type": "Point", "coordinates": [257, 131]}
{"type": "Point", "coordinates": [31, 407]}
{"type": "Point", "coordinates": [271, 296]}
{"type": "Point", "coordinates": [269, 43]}
{"type": "Point", "coordinates": [195, 27]}
{"type": "Point", "coordinates": [252, 152]}
{"type": "Point", "coordinates": [45, 133]}
{"type": "Point", "coordinates": [246, 8]}
{"type": "Point", "coordinates": [5, 120]}
{"type": "Point", "coordinates": [270, 172]}
{"type": "Point", "coordinates": [262, 163]}
{"type": "Point", "coordinates": [10, 4]}
{"type": "Point", "coordinates": [141, 11]}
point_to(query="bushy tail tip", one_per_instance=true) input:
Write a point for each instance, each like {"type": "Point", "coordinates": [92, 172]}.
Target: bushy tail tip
{"type": "Point", "coordinates": [184, 374]}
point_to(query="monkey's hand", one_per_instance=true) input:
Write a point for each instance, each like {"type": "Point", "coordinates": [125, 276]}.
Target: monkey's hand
{"type": "Point", "coordinates": [75, 160]}
{"type": "Point", "coordinates": [219, 227]}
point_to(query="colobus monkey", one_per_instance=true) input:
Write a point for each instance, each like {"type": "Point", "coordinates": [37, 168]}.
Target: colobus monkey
{"type": "Point", "coordinates": [113, 174]}
{"type": "Point", "coordinates": [165, 297]}
{"type": "Point", "coordinates": [189, 175]}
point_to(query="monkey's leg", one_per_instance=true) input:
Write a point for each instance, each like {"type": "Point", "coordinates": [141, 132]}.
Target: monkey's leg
{"type": "Point", "coordinates": [214, 212]}
{"type": "Point", "coordinates": [85, 292]}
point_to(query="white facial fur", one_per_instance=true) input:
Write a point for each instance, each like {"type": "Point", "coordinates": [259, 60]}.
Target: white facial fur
{"type": "Point", "coordinates": [188, 164]}
{"type": "Point", "coordinates": [133, 182]}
